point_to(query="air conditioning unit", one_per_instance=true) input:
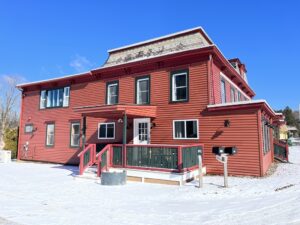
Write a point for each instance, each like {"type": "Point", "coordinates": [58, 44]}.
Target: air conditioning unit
{"type": "Point", "coordinates": [5, 156]}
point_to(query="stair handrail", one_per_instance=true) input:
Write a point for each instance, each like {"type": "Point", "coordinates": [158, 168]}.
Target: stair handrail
{"type": "Point", "coordinates": [92, 149]}
{"type": "Point", "coordinates": [98, 157]}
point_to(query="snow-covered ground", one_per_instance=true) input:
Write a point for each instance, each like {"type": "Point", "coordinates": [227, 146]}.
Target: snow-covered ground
{"type": "Point", "coordinates": [32, 193]}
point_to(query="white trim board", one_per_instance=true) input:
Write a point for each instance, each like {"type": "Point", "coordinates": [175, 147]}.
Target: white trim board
{"type": "Point", "coordinates": [106, 123]}
{"type": "Point", "coordinates": [242, 103]}
{"type": "Point", "coordinates": [179, 120]}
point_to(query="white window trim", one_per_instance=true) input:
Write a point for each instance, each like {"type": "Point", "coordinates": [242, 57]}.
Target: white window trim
{"type": "Point", "coordinates": [108, 92]}
{"type": "Point", "coordinates": [29, 125]}
{"type": "Point", "coordinates": [185, 120]}
{"type": "Point", "coordinates": [47, 140]}
{"type": "Point", "coordinates": [71, 137]}
{"type": "Point", "coordinates": [232, 91]}
{"type": "Point", "coordinates": [174, 86]}
{"type": "Point", "coordinates": [66, 98]}
{"type": "Point", "coordinates": [106, 138]}
{"type": "Point", "coordinates": [222, 81]}
{"type": "Point", "coordinates": [138, 101]}
{"type": "Point", "coordinates": [45, 102]}
{"type": "Point", "coordinates": [233, 84]}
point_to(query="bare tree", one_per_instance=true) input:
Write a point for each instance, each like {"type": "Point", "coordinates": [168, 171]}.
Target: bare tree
{"type": "Point", "coordinates": [9, 102]}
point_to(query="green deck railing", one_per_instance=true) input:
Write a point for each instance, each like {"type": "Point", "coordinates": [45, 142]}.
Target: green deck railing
{"type": "Point", "coordinates": [117, 155]}
{"type": "Point", "coordinates": [281, 150]}
{"type": "Point", "coordinates": [152, 156]}
{"type": "Point", "coordinates": [86, 158]}
{"type": "Point", "coordinates": [190, 156]}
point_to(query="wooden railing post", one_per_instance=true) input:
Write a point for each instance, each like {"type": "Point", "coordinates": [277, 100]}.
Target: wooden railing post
{"type": "Point", "coordinates": [180, 164]}
{"type": "Point", "coordinates": [99, 167]}
{"type": "Point", "coordinates": [81, 165]}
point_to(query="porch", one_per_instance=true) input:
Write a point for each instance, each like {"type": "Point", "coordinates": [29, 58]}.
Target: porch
{"type": "Point", "coordinates": [170, 164]}
{"type": "Point", "coordinates": [136, 153]}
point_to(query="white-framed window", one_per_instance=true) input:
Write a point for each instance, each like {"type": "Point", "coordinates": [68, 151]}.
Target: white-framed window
{"type": "Point", "coordinates": [106, 130]}
{"type": "Point", "coordinates": [28, 128]}
{"type": "Point", "coordinates": [55, 98]}
{"type": "Point", "coordinates": [239, 96]}
{"type": "Point", "coordinates": [179, 86]}
{"type": "Point", "coordinates": [232, 94]}
{"type": "Point", "coordinates": [143, 90]}
{"type": "Point", "coordinates": [75, 134]}
{"type": "Point", "coordinates": [223, 91]}
{"type": "Point", "coordinates": [266, 136]}
{"type": "Point", "coordinates": [112, 91]}
{"type": "Point", "coordinates": [50, 130]}
{"type": "Point", "coordinates": [186, 129]}
{"type": "Point", "coordinates": [66, 96]}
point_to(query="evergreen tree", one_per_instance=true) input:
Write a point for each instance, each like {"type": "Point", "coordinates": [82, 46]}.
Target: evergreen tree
{"type": "Point", "coordinates": [11, 141]}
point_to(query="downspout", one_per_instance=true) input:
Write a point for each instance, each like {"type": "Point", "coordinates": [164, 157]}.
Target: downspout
{"type": "Point", "coordinates": [125, 129]}
{"type": "Point", "coordinates": [83, 132]}
{"type": "Point", "coordinates": [20, 127]}
{"type": "Point", "coordinates": [211, 94]}
{"type": "Point", "coordinates": [260, 150]}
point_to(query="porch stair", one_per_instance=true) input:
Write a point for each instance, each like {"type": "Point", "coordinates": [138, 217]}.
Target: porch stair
{"type": "Point", "coordinates": [90, 173]}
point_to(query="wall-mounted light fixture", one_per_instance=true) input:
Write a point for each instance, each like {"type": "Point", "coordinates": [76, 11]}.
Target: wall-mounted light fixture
{"type": "Point", "coordinates": [153, 125]}
{"type": "Point", "coordinates": [226, 123]}
{"type": "Point", "coordinates": [120, 120]}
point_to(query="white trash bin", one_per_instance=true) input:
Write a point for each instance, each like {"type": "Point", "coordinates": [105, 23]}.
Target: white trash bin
{"type": "Point", "coordinates": [5, 156]}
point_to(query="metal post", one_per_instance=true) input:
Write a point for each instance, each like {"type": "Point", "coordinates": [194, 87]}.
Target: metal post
{"type": "Point", "coordinates": [83, 132]}
{"type": "Point", "coordinates": [225, 171]}
{"type": "Point", "coordinates": [200, 171]}
{"type": "Point", "coordinates": [124, 129]}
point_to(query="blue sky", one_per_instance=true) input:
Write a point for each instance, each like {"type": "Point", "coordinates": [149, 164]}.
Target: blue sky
{"type": "Point", "coordinates": [46, 39]}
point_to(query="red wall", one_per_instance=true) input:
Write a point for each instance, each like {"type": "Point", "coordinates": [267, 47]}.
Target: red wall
{"type": "Point", "coordinates": [216, 86]}
{"type": "Point", "coordinates": [93, 93]}
{"type": "Point", "coordinates": [243, 132]}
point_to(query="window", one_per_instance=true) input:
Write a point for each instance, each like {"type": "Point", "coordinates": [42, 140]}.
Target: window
{"type": "Point", "coordinates": [179, 86]}
{"type": "Point", "coordinates": [223, 91]}
{"type": "Point", "coordinates": [50, 134]}
{"type": "Point", "coordinates": [55, 98]}
{"type": "Point", "coordinates": [143, 90]}
{"type": "Point", "coordinates": [112, 93]}
{"type": "Point", "coordinates": [106, 131]}
{"type": "Point", "coordinates": [75, 134]}
{"type": "Point", "coordinates": [266, 136]}
{"type": "Point", "coordinates": [185, 129]}
{"type": "Point", "coordinates": [232, 94]}
{"type": "Point", "coordinates": [28, 128]}
{"type": "Point", "coordinates": [239, 96]}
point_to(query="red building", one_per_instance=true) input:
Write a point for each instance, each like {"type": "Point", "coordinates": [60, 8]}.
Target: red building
{"type": "Point", "coordinates": [155, 103]}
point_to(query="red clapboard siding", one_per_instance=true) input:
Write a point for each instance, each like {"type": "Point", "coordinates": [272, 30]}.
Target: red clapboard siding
{"type": "Point", "coordinates": [242, 133]}
{"type": "Point", "coordinates": [94, 93]}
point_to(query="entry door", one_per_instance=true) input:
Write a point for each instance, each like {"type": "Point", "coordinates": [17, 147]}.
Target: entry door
{"type": "Point", "coordinates": [141, 131]}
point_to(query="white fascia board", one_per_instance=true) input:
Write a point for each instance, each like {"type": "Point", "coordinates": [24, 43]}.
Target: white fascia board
{"type": "Point", "coordinates": [52, 79]}
{"type": "Point", "coordinates": [241, 103]}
